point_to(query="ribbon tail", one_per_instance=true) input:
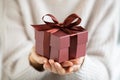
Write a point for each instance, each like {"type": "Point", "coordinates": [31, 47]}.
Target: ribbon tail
{"type": "Point", "coordinates": [77, 28]}
{"type": "Point", "coordinates": [41, 27]}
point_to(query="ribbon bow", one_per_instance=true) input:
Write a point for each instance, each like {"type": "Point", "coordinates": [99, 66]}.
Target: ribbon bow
{"type": "Point", "coordinates": [68, 26]}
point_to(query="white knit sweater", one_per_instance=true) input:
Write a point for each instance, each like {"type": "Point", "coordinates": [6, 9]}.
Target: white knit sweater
{"type": "Point", "coordinates": [99, 17]}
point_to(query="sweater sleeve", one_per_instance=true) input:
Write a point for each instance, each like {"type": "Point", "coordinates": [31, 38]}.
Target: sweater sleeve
{"type": "Point", "coordinates": [16, 45]}
{"type": "Point", "coordinates": [103, 29]}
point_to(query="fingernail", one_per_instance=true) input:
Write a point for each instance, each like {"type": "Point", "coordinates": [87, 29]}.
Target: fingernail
{"type": "Point", "coordinates": [56, 64]}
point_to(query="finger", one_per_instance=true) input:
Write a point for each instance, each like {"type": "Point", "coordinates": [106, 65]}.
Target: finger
{"type": "Point", "coordinates": [82, 60]}
{"type": "Point", "coordinates": [59, 69]}
{"type": "Point", "coordinates": [77, 61]}
{"type": "Point", "coordinates": [47, 66]}
{"type": "Point", "coordinates": [67, 64]}
{"type": "Point", "coordinates": [69, 70]}
{"type": "Point", "coordinates": [38, 59]}
{"type": "Point", "coordinates": [53, 69]}
{"type": "Point", "coordinates": [74, 68]}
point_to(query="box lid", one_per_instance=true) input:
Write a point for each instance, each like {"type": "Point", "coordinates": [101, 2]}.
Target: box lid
{"type": "Point", "coordinates": [82, 35]}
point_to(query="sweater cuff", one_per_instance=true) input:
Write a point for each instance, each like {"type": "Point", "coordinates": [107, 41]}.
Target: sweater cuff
{"type": "Point", "coordinates": [24, 69]}
{"type": "Point", "coordinates": [92, 69]}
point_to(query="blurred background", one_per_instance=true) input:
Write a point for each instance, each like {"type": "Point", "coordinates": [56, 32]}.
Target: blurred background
{"type": "Point", "coordinates": [116, 62]}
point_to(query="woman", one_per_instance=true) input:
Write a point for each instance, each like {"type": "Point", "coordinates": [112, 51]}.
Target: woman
{"type": "Point", "coordinates": [98, 17]}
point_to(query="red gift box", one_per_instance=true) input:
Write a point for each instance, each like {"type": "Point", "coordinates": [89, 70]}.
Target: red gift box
{"type": "Point", "coordinates": [67, 42]}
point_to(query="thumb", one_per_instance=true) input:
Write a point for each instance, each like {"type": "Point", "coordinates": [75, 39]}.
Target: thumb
{"type": "Point", "coordinates": [37, 58]}
{"type": "Point", "coordinates": [41, 59]}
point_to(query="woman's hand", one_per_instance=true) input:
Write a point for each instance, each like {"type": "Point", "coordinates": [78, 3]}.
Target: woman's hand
{"type": "Point", "coordinates": [36, 60]}
{"type": "Point", "coordinates": [63, 68]}
{"type": "Point", "coordinates": [66, 67]}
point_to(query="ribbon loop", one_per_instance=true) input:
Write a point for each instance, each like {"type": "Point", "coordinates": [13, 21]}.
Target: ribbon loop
{"type": "Point", "coordinates": [67, 26]}
{"type": "Point", "coordinates": [55, 21]}
{"type": "Point", "coordinates": [69, 20]}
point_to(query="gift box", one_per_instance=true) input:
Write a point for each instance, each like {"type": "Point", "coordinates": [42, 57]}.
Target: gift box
{"type": "Point", "coordinates": [61, 41]}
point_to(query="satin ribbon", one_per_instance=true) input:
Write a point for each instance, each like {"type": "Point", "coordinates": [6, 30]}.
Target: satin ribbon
{"type": "Point", "coordinates": [68, 26]}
